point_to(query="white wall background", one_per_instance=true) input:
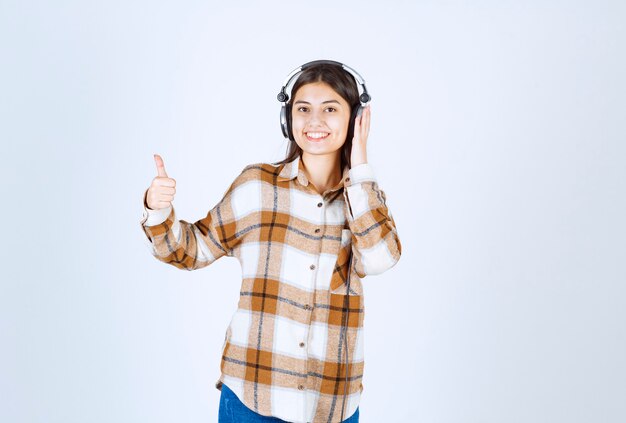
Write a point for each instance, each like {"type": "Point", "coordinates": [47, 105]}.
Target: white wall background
{"type": "Point", "coordinates": [497, 134]}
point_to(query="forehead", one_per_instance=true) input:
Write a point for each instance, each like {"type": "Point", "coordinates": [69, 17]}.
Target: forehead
{"type": "Point", "coordinates": [317, 92]}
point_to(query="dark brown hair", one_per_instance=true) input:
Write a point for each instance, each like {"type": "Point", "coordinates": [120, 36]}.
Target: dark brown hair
{"type": "Point", "coordinates": [343, 84]}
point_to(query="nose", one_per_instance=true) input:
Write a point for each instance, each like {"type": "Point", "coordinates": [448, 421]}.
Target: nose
{"type": "Point", "coordinates": [316, 117]}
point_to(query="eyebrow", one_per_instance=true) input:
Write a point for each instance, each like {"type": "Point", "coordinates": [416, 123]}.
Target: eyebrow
{"type": "Point", "coordinates": [323, 102]}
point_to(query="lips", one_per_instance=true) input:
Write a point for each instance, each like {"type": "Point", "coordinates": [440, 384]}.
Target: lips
{"type": "Point", "coordinates": [316, 136]}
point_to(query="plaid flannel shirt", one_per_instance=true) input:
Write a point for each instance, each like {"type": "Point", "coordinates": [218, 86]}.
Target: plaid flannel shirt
{"type": "Point", "coordinates": [283, 350]}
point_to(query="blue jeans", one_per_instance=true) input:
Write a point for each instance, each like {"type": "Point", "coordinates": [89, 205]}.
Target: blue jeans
{"type": "Point", "coordinates": [232, 410]}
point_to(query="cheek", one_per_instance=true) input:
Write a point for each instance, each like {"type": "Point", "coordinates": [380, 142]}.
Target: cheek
{"type": "Point", "coordinates": [297, 126]}
{"type": "Point", "coordinates": [341, 123]}
{"type": "Point", "coordinates": [297, 122]}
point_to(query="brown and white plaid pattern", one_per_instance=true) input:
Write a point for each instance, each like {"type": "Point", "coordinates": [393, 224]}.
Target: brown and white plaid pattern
{"type": "Point", "coordinates": [283, 350]}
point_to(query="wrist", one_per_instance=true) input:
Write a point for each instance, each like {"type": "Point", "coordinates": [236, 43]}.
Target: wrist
{"type": "Point", "coordinates": [358, 159]}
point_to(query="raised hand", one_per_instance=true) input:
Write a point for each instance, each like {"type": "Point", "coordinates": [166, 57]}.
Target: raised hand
{"type": "Point", "coordinates": [161, 192]}
{"type": "Point", "coordinates": [358, 155]}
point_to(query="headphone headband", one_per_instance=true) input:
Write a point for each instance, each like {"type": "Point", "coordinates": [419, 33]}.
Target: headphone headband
{"type": "Point", "coordinates": [283, 97]}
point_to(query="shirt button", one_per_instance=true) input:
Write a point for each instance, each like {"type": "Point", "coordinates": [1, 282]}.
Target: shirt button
{"type": "Point", "coordinates": [312, 267]}
{"type": "Point", "coordinates": [301, 387]}
{"type": "Point", "coordinates": [319, 204]}
{"type": "Point", "coordinates": [317, 231]}
{"type": "Point", "coordinates": [302, 344]}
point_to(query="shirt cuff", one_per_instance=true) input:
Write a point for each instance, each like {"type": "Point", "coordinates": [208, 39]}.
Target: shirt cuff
{"type": "Point", "coordinates": [361, 191]}
{"type": "Point", "coordinates": [361, 173]}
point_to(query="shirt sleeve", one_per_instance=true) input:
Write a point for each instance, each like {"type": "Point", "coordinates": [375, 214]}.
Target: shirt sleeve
{"type": "Point", "coordinates": [375, 243]}
{"type": "Point", "coordinates": [192, 246]}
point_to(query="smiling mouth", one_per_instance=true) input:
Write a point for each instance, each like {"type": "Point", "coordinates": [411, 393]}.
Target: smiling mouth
{"type": "Point", "coordinates": [316, 136]}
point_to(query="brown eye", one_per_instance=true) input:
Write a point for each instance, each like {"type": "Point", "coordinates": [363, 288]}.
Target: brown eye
{"type": "Point", "coordinates": [302, 109]}
{"type": "Point", "coordinates": [332, 109]}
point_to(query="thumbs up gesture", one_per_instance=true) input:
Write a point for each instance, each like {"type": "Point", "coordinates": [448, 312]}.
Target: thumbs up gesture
{"type": "Point", "coordinates": [161, 192]}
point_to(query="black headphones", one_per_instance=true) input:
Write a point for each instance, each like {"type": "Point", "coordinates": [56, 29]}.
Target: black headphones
{"type": "Point", "coordinates": [283, 97]}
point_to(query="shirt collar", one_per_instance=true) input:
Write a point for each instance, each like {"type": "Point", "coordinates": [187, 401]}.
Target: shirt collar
{"type": "Point", "coordinates": [292, 170]}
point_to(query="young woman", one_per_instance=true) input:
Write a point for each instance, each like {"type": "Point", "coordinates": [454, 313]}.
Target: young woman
{"type": "Point", "coordinates": [306, 230]}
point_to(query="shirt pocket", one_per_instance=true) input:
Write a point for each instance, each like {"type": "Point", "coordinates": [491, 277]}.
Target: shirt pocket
{"type": "Point", "coordinates": [339, 281]}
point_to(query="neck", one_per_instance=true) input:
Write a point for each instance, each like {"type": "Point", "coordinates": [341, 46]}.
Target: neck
{"type": "Point", "coordinates": [322, 170]}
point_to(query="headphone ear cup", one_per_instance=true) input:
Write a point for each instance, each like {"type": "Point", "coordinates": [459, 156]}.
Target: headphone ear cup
{"type": "Point", "coordinates": [284, 126]}
{"type": "Point", "coordinates": [288, 122]}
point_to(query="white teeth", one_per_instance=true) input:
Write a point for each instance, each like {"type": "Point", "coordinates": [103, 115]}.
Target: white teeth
{"type": "Point", "coordinates": [317, 134]}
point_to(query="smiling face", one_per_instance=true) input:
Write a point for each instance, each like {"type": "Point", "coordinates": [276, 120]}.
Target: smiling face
{"type": "Point", "coordinates": [319, 119]}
